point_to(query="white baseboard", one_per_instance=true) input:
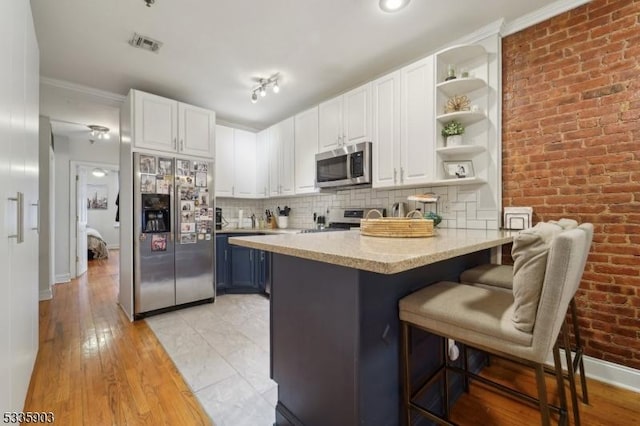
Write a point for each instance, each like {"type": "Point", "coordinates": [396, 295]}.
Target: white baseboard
{"type": "Point", "coordinates": [607, 372]}
{"type": "Point", "coordinates": [46, 294]}
{"type": "Point", "coordinates": [63, 278]}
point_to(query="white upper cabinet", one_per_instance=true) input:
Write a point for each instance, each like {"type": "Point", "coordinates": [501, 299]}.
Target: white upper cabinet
{"type": "Point", "coordinates": [282, 158]}
{"type": "Point", "coordinates": [417, 146]}
{"type": "Point", "coordinates": [386, 130]}
{"type": "Point", "coordinates": [163, 124]}
{"type": "Point", "coordinates": [306, 148]}
{"type": "Point", "coordinates": [225, 160]}
{"type": "Point", "coordinates": [245, 164]}
{"type": "Point", "coordinates": [403, 111]}
{"type": "Point", "coordinates": [156, 122]}
{"type": "Point", "coordinates": [356, 116]}
{"type": "Point", "coordinates": [287, 152]}
{"type": "Point", "coordinates": [330, 124]}
{"type": "Point", "coordinates": [274, 160]}
{"type": "Point", "coordinates": [262, 163]}
{"type": "Point", "coordinates": [345, 119]}
{"type": "Point", "coordinates": [196, 130]}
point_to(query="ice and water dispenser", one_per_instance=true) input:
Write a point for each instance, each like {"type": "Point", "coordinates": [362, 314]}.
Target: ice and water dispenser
{"type": "Point", "coordinates": [156, 215]}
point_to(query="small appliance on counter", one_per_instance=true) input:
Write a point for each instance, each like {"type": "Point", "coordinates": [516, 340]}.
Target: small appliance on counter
{"type": "Point", "coordinates": [342, 219]}
{"type": "Point", "coordinates": [399, 209]}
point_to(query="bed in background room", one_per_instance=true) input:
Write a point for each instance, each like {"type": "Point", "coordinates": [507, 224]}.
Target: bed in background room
{"type": "Point", "coordinates": [96, 245]}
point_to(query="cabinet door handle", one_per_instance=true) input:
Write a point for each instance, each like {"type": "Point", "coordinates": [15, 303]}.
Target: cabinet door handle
{"type": "Point", "coordinates": [37, 206]}
{"type": "Point", "coordinates": [401, 174]}
{"type": "Point", "coordinates": [251, 256]}
{"type": "Point", "coordinates": [175, 143]}
{"type": "Point", "coordinates": [181, 145]}
{"type": "Point", "coordinates": [19, 199]}
{"type": "Point", "coordinates": [225, 255]}
{"type": "Point", "coordinates": [395, 175]}
{"type": "Point", "coordinates": [233, 190]}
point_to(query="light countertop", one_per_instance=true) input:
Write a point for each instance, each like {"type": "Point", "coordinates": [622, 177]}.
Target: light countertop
{"type": "Point", "coordinates": [375, 254]}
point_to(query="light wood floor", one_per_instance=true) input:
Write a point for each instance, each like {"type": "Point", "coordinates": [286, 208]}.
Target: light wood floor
{"type": "Point", "coordinates": [95, 367]}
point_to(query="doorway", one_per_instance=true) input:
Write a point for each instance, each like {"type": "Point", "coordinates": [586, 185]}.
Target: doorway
{"type": "Point", "coordinates": [94, 230]}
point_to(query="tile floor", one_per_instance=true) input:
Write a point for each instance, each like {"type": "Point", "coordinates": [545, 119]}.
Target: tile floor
{"type": "Point", "coordinates": [222, 351]}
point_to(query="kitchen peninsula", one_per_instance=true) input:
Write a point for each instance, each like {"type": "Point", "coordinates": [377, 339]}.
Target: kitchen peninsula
{"type": "Point", "coordinates": [334, 316]}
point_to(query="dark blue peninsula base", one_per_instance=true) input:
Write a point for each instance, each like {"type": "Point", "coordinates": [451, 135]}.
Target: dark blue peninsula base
{"type": "Point", "coordinates": [335, 339]}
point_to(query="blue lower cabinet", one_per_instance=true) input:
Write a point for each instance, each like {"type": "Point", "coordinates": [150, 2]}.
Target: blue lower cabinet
{"type": "Point", "coordinates": [262, 269]}
{"type": "Point", "coordinates": [222, 256]}
{"type": "Point", "coordinates": [240, 269]}
{"type": "Point", "coordinates": [243, 268]}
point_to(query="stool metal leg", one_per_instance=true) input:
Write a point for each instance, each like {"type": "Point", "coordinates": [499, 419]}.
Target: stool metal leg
{"type": "Point", "coordinates": [466, 368]}
{"type": "Point", "coordinates": [579, 350]}
{"type": "Point", "coordinates": [445, 376]}
{"type": "Point", "coordinates": [406, 373]}
{"type": "Point", "coordinates": [542, 395]}
{"type": "Point", "coordinates": [562, 396]}
{"type": "Point", "coordinates": [571, 374]}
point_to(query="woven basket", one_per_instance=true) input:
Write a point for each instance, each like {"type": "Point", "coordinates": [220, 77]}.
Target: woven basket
{"type": "Point", "coordinates": [397, 227]}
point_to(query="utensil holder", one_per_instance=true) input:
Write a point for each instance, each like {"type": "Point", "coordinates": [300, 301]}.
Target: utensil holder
{"type": "Point", "coordinates": [283, 221]}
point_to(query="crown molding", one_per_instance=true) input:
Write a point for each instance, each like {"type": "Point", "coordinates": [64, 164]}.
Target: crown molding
{"type": "Point", "coordinates": [541, 15]}
{"type": "Point", "coordinates": [488, 30]}
{"type": "Point", "coordinates": [61, 84]}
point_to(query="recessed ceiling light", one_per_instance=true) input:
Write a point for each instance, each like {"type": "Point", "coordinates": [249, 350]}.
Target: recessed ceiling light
{"type": "Point", "coordinates": [393, 5]}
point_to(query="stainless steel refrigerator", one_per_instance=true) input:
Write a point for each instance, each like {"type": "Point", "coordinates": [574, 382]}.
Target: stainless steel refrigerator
{"type": "Point", "coordinates": [174, 221]}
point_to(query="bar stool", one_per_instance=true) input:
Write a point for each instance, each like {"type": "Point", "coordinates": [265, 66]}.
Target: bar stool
{"type": "Point", "coordinates": [482, 318]}
{"type": "Point", "coordinates": [501, 276]}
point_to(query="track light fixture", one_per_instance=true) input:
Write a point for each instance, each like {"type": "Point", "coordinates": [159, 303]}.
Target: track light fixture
{"type": "Point", "coordinates": [100, 131]}
{"type": "Point", "coordinates": [264, 84]}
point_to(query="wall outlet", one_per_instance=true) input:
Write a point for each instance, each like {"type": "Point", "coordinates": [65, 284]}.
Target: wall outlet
{"type": "Point", "coordinates": [445, 207]}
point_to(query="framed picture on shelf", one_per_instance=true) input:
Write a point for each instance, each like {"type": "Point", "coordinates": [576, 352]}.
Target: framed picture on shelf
{"type": "Point", "coordinates": [458, 169]}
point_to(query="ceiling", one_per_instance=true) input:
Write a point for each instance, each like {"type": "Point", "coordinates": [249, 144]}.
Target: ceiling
{"type": "Point", "coordinates": [214, 50]}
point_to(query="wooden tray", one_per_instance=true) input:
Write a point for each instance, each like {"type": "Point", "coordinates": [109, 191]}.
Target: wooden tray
{"type": "Point", "coordinates": [411, 226]}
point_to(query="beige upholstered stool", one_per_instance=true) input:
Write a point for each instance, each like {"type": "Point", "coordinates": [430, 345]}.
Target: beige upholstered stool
{"type": "Point", "coordinates": [483, 318]}
{"type": "Point", "coordinates": [501, 276]}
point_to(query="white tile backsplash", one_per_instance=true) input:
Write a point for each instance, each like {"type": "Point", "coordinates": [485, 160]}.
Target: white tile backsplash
{"type": "Point", "coordinates": [462, 202]}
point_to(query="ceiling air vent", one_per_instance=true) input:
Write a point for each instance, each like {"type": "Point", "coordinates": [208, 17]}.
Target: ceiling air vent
{"type": "Point", "coordinates": [146, 43]}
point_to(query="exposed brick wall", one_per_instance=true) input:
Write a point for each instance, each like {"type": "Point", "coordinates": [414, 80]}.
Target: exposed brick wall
{"type": "Point", "coordinates": [571, 148]}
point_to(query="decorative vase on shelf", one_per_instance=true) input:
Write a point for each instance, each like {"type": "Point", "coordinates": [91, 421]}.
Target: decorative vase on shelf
{"type": "Point", "coordinates": [454, 140]}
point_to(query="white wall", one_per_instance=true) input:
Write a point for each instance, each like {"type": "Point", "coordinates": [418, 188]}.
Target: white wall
{"type": "Point", "coordinates": [46, 231]}
{"type": "Point", "coordinates": [79, 150]}
{"type": "Point", "coordinates": [104, 220]}
{"type": "Point", "coordinates": [61, 213]}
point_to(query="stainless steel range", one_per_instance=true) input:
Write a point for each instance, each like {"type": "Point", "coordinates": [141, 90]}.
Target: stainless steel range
{"type": "Point", "coordinates": [342, 219]}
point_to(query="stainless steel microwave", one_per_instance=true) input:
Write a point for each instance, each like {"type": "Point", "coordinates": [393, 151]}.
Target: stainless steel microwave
{"type": "Point", "coordinates": [349, 165]}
